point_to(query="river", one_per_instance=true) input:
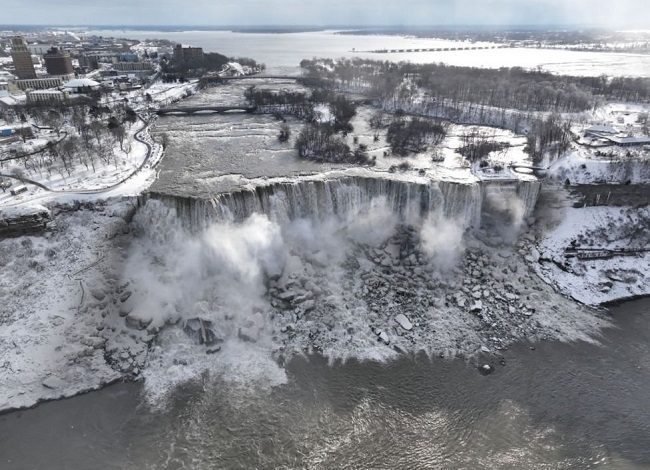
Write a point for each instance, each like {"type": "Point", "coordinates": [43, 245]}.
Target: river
{"type": "Point", "coordinates": [553, 405]}
{"type": "Point", "coordinates": [282, 53]}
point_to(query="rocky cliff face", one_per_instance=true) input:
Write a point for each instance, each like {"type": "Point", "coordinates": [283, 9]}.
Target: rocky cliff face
{"type": "Point", "coordinates": [23, 220]}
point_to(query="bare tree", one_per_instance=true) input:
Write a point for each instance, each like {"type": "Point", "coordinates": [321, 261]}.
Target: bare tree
{"type": "Point", "coordinates": [97, 129]}
{"type": "Point", "coordinates": [119, 134]}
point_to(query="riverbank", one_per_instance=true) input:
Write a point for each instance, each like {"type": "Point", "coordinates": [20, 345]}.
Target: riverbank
{"type": "Point", "coordinates": [574, 256]}
{"type": "Point", "coordinates": [400, 414]}
{"type": "Point", "coordinates": [54, 303]}
{"type": "Point", "coordinates": [98, 298]}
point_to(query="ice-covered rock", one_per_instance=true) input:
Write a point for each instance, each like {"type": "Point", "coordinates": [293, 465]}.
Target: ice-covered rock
{"type": "Point", "coordinates": [404, 322]}
{"type": "Point", "coordinates": [200, 331]}
{"type": "Point", "coordinates": [125, 296]}
{"type": "Point", "coordinates": [383, 337]}
{"type": "Point", "coordinates": [97, 292]}
{"type": "Point", "coordinates": [486, 369]}
{"type": "Point", "coordinates": [476, 306]}
{"type": "Point", "coordinates": [53, 383]}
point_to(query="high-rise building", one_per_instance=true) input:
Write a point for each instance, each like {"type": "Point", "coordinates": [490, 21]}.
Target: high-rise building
{"type": "Point", "coordinates": [22, 59]}
{"type": "Point", "coordinates": [188, 55]}
{"type": "Point", "coordinates": [88, 61]}
{"type": "Point", "coordinates": [58, 62]}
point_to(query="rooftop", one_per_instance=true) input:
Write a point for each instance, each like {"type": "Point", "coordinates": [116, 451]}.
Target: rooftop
{"type": "Point", "coordinates": [601, 128]}
{"type": "Point", "coordinates": [81, 83]}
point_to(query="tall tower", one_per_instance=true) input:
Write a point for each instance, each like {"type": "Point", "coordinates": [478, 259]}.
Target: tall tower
{"type": "Point", "coordinates": [58, 62]}
{"type": "Point", "coordinates": [22, 59]}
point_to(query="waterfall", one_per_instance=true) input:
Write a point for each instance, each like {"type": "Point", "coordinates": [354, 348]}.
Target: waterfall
{"type": "Point", "coordinates": [348, 196]}
{"type": "Point", "coordinates": [518, 197]}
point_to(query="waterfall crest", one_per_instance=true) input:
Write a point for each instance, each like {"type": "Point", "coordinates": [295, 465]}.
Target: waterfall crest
{"type": "Point", "coordinates": [350, 195]}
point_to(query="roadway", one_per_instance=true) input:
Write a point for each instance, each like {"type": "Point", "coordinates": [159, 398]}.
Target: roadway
{"type": "Point", "coordinates": [137, 136]}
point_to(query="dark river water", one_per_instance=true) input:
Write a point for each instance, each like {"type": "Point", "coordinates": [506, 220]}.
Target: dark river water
{"type": "Point", "coordinates": [556, 406]}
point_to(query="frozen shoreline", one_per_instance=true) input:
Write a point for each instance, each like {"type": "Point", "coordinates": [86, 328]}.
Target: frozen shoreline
{"type": "Point", "coordinates": [597, 281]}
{"type": "Point", "coordinates": [63, 347]}
{"type": "Point", "coordinates": [50, 340]}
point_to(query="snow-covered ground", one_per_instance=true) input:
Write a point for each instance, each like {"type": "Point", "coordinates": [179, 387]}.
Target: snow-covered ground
{"type": "Point", "coordinates": [107, 180]}
{"type": "Point", "coordinates": [583, 166]}
{"type": "Point", "coordinates": [443, 161]}
{"type": "Point", "coordinates": [619, 114]}
{"type": "Point", "coordinates": [597, 281]}
{"type": "Point", "coordinates": [167, 93]}
{"type": "Point", "coordinates": [53, 303]}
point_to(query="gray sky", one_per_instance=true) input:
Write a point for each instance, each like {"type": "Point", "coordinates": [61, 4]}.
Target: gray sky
{"type": "Point", "coordinates": [628, 13]}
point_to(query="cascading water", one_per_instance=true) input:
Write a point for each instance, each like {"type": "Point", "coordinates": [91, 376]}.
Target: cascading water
{"type": "Point", "coordinates": [321, 198]}
{"type": "Point", "coordinates": [319, 265]}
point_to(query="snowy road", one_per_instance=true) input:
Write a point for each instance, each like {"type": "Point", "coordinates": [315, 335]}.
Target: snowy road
{"type": "Point", "coordinates": [138, 136]}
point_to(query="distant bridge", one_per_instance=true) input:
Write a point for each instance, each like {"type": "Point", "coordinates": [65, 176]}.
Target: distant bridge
{"type": "Point", "coordinates": [434, 49]}
{"type": "Point", "coordinates": [215, 79]}
{"type": "Point", "coordinates": [205, 109]}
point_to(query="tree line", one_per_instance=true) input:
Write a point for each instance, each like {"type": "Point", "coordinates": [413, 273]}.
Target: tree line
{"type": "Point", "coordinates": [512, 88]}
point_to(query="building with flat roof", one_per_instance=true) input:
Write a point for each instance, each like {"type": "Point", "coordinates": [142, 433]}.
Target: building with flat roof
{"type": "Point", "coordinates": [41, 83]}
{"type": "Point", "coordinates": [599, 129]}
{"type": "Point", "coordinates": [133, 66]}
{"type": "Point", "coordinates": [81, 85]}
{"type": "Point", "coordinates": [46, 96]}
{"type": "Point", "coordinates": [8, 102]}
{"type": "Point", "coordinates": [629, 141]}
{"type": "Point", "coordinates": [58, 62]}
{"type": "Point", "coordinates": [22, 59]}
{"type": "Point", "coordinates": [88, 62]}
{"type": "Point", "coordinates": [188, 55]}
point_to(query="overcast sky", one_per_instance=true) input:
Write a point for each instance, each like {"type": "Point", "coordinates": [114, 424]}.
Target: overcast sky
{"type": "Point", "coordinates": [628, 13]}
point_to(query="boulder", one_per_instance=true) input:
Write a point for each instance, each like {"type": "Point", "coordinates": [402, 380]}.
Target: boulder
{"type": "Point", "coordinates": [201, 331]}
{"type": "Point", "coordinates": [404, 322]}
{"type": "Point", "coordinates": [486, 369]}
{"type": "Point", "coordinates": [125, 309]}
{"type": "Point", "coordinates": [286, 295]}
{"type": "Point", "coordinates": [308, 306]}
{"type": "Point", "coordinates": [382, 336]}
{"type": "Point", "coordinates": [97, 293]}
{"type": "Point", "coordinates": [476, 306]}
{"type": "Point", "coordinates": [53, 383]}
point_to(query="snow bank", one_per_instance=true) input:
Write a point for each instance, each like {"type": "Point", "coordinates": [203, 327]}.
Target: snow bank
{"type": "Point", "coordinates": [582, 166]}
{"type": "Point", "coordinates": [54, 300]}
{"type": "Point", "coordinates": [598, 281]}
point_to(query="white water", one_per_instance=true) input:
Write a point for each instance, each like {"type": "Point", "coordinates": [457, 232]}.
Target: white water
{"type": "Point", "coordinates": [319, 198]}
{"type": "Point", "coordinates": [226, 260]}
